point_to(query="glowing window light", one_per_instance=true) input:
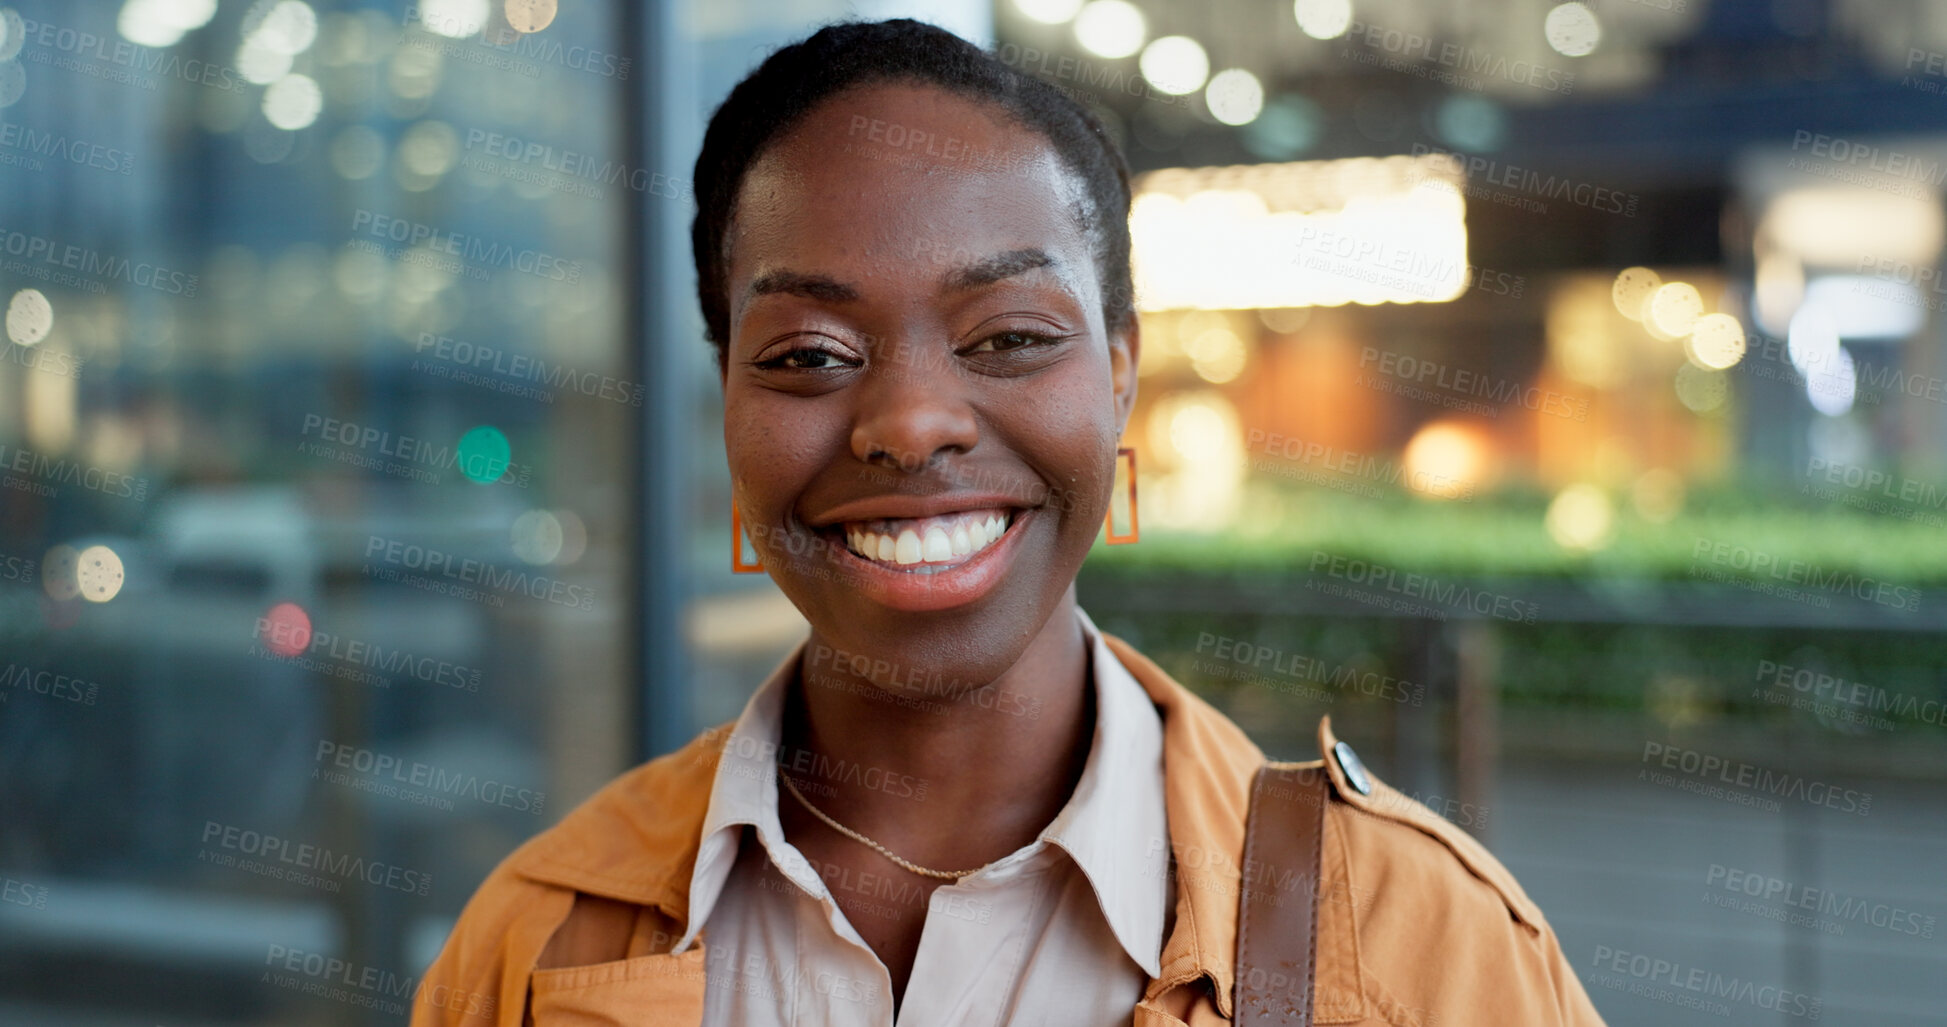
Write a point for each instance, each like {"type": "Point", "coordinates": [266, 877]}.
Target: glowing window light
{"type": "Point", "coordinates": [1234, 96]}
{"type": "Point", "coordinates": [1175, 65]}
{"type": "Point", "coordinates": [1110, 28]}
{"type": "Point", "coordinates": [1832, 389]}
{"type": "Point", "coordinates": [1572, 30]}
{"type": "Point", "coordinates": [1048, 12]}
{"type": "Point", "coordinates": [1308, 234]}
{"type": "Point", "coordinates": [1812, 340]}
{"type": "Point", "coordinates": [1323, 19]}
{"type": "Point", "coordinates": [1778, 286]}
{"type": "Point", "coordinates": [1841, 226]}
{"type": "Point", "coordinates": [1864, 307]}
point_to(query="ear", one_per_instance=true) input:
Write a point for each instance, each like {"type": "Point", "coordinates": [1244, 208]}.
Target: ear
{"type": "Point", "coordinates": [1125, 348]}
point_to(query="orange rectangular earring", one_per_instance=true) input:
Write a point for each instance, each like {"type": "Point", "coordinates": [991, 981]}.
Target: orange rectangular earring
{"type": "Point", "coordinates": [1108, 525]}
{"type": "Point", "coordinates": [737, 564]}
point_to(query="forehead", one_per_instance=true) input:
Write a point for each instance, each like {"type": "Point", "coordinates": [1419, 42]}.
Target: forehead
{"type": "Point", "coordinates": [893, 183]}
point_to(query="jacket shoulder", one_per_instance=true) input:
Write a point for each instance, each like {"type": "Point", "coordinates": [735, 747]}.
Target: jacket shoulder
{"type": "Point", "coordinates": [1443, 929]}
{"type": "Point", "coordinates": [1392, 827]}
{"type": "Point", "coordinates": [634, 839]}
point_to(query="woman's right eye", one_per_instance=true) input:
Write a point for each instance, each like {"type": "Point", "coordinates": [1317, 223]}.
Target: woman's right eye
{"type": "Point", "coordinates": [805, 358]}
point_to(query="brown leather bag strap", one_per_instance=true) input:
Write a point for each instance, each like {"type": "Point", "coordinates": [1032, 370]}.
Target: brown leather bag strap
{"type": "Point", "coordinates": [1277, 916]}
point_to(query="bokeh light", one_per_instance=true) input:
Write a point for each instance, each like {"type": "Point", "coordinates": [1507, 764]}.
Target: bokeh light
{"type": "Point", "coordinates": [159, 23]}
{"type": "Point", "coordinates": [58, 572]}
{"type": "Point", "coordinates": [29, 317]}
{"type": "Point", "coordinates": [293, 102]}
{"type": "Point", "coordinates": [530, 15]}
{"type": "Point", "coordinates": [1235, 96]}
{"type": "Point", "coordinates": [537, 536]}
{"type": "Point", "coordinates": [260, 64]}
{"type": "Point", "coordinates": [1445, 459]}
{"type": "Point", "coordinates": [1672, 310]}
{"type": "Point", "coordinates": [1716, 342]}
{"type": "Point", "coordinates": [1580, 517]}
{"type": "Point", "coordinates": [1323, 19]}
{"type": "Point", "coordinates": [484, 454]}
{"type": "Point", "coordinates": [285, 629]}
{"type": "Point", "coordinates": [1633, 288]}
{"type": "Point", "coordinates": [1699, 389]}
{"type": "Point", "coordinates": [288, 26]}
{"type": "Point", "coordinates": [455, 19]}
{"type": "Point", "coordinates": [1110, 28]}
{"type": "Point", "coordinates": [1217, 355]}
{"type": "Point", "coordinates": [357, 152]}
{"type": "Point", "coordinates": [98, 574]}
{"type": "Point", "coordinates": [1176, 65]}
{"type": "Point", "coordinates": [1658, 495]}
{"type": "Point", "coordinates": [1048, 12]}
{"type": "Point", "coordinates": [1572, 30]}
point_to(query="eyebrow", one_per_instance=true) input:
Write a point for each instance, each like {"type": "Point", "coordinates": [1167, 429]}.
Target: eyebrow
{"type": "Point", "coordinates": [996, 268]}
{"type": "Point", "coordinates": [966, 277]}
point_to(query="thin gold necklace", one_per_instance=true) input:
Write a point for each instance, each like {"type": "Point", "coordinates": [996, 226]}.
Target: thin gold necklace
{"type": "Point", "coordinates": [949, 875]}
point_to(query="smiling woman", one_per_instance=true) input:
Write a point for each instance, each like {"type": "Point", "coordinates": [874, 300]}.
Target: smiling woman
{"type": "Point", "coordinates": [914, 264]}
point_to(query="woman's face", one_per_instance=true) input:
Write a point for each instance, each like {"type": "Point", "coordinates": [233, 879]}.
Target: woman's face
{"type": "Point", "coordinates": [921, 402]}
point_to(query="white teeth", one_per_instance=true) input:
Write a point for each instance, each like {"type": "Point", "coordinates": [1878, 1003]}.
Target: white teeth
{"type": "Point", "coordinates": [933, 540]}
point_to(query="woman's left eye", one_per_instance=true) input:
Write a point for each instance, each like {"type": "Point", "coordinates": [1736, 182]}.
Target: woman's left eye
{"type": "Point", "coordinates": [1002, 342]}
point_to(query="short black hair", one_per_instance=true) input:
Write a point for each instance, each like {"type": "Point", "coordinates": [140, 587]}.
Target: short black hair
{"type": "Point", "coordinates": [797, 78]}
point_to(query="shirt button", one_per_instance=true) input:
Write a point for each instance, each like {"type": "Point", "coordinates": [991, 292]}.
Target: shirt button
{"type": "Point", "coordinates": [1355, 771]}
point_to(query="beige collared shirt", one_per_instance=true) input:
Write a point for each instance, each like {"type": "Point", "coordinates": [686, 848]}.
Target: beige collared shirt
{"type": "Point", "coordinates": [1066, 930]}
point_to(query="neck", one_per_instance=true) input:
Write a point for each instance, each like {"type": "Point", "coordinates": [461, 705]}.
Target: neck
{"type": "Point", "coordinates": [953, 779]}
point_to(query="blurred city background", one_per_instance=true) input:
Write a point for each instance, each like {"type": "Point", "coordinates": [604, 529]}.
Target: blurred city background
{"type": "Point", "coordinates": [1554, 394]}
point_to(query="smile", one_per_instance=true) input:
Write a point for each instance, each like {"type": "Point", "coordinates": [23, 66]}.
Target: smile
{"type": "Point", "coordinates": [927, 545]}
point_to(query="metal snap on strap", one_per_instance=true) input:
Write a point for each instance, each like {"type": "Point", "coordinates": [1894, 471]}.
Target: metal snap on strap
{"type": "Point", "coordinates": [1355, 771]}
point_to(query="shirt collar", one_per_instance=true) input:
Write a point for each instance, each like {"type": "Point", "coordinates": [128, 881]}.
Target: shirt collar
{"type": "Point", "coordinates": [1114, 825]}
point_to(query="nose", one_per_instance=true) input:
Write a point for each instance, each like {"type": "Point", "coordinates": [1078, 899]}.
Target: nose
{"type": "Point", "coordinates": [909, 414]}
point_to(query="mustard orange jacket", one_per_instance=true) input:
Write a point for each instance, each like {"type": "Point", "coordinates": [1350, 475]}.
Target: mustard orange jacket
{"type": "Point", "coordinates": [1418, 926]}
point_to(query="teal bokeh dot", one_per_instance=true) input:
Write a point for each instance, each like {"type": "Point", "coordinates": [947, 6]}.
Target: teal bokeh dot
{"type": "Point", "coordinates": [485, 454]}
